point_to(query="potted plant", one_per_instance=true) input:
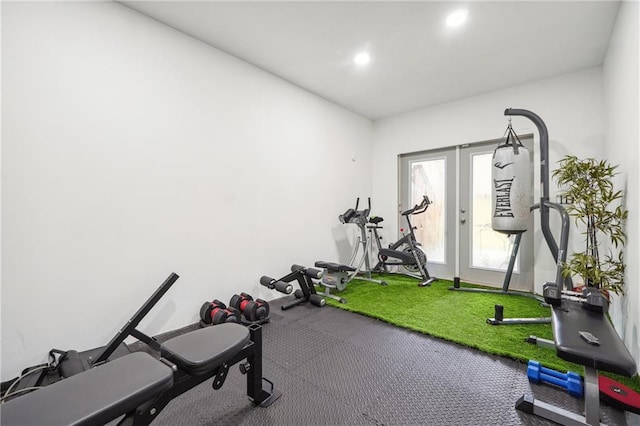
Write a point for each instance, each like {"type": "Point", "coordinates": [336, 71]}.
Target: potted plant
{"type": "Point", "coordinates": [587, 186]}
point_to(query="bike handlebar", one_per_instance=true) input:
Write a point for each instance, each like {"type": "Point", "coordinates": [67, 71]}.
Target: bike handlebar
{"type": "Point", "coordinates": [418, 208]}
{"type": "Point", "coordinates": [355, 215]}
{"type": "Point", "coordinates": [358, 203]}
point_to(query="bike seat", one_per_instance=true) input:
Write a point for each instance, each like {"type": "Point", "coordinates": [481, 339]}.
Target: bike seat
{"type": "Point", "coordinates": [376, 220]}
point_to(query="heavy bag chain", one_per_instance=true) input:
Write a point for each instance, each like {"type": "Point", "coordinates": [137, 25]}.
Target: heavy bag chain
{"type": "Point", "coordinates": [510, 138]}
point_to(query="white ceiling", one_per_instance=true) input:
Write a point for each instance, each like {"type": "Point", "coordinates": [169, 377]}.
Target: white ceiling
{"type": "Point", "coordinates": [416, 60]}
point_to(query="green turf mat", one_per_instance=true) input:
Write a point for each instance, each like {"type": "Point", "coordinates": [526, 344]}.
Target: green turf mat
{"type": "Point", "coordinates": [459, 317]}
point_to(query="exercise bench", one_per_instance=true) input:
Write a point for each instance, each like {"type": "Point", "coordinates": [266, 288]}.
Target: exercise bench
{"type": "Point", "coordinates": [587, 337]}
{"type": "Point", "coordinates": [137, 387]}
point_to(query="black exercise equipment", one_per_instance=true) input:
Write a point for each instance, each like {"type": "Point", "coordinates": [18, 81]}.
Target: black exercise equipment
{"type": "Point", "coordinates": [584, 336]}
{"type": "Point", "coordinates": [306, 293]}
{"type": "Point", "coordinates": [72, 362]}
{"type": "Point", "coordinates": [336, 275]}
{"type": "Point", "coordinates": [30, 379]}
{"type": "Point", "coordinates": [130, 327]}
{"type": "Point", "coordinates": [407, 251]}
{"type": "Point", "coordinates": [252, 310]}
{"type": "Point", "coordinates": [137, 386]}
{"type": "Point", "coordinates": [216, 312]}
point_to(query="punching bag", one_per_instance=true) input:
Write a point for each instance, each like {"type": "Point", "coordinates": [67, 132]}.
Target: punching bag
{"type": "Point", "coordinates": [512, 189]}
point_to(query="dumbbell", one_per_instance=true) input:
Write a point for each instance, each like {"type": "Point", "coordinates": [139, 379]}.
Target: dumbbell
{"type": "Point", "coordinates": [272, 283]}
{"type": "Point", "coordinates": [253, 310]}
{"type": "Point", "coordinates": [552, 294]}
{"type": "Point", "coordinates": [591, 298]}
{"type": "Point", "coordinates": [570, 380]}
{"type": "Point", "coordinates": [594, 300]}
{"type": "Point", "coordinates": [217, 312]}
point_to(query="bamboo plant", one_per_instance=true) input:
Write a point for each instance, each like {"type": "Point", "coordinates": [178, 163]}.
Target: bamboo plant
{"type": "Point", "coordinates": [596, 206]}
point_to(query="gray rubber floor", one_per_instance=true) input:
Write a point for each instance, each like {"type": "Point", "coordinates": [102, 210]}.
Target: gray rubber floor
{"type": "Point", "coordinates": [334, 367]}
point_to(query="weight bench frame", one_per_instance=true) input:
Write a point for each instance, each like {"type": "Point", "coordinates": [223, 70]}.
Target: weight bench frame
{"type": "Point", "coordinates": [130, 329]}
{"type": "Point", "coordinates": [568, 319]}
{"type": "Point", "coordinates": [149, 397]}
{"type": "Point", "coordinates": [183, 382]}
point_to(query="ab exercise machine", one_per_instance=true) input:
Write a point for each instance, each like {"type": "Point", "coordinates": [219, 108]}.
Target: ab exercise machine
{"type": "Point", "coordinates": [337, 276]}
{"type": "Point", "coordinates": [407, 251]}
{"type": "Point", "coordinates": [136, 387]}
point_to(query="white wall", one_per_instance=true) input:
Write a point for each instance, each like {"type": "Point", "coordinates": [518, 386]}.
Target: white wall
{"type": "Point", "coordinates": [570, 105]}
{"type": "Point", "coordinates": [621, 73]}
{"type": "Point", "coordinates": [130, 151]}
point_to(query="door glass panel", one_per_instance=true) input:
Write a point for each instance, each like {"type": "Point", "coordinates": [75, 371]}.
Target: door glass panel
{"type": "Point", "coordinates": [489, 249]}
{"type": "Point", "coordinates": [428, 178]}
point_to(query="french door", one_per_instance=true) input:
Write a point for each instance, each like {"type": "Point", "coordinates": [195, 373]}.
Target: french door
{"type": "Point", "coordinates": [456, 229]}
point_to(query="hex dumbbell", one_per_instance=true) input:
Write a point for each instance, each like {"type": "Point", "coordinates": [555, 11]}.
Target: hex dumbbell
{"type": "Point", "coordinates": [570, 381]}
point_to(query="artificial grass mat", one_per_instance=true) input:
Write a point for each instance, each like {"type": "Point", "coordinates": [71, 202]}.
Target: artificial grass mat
{"type": "Point", "coordinates": [460, 317]}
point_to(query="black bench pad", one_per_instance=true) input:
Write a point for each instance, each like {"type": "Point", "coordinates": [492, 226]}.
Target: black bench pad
{"type": "Point", "coordinates": [334, 267]}
{"type": "Point", "coordinates": [611, 355]}
{"type": "Point", "coordinates": [93, 397]}
{"type": "Point", "coordinates": [199, 352]}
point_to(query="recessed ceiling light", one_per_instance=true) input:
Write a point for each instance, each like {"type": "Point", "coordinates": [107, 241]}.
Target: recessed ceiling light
{"type": "Point", "coordinates": [457, 18]}
{"type": "Point", "coordinates": [362, 58]}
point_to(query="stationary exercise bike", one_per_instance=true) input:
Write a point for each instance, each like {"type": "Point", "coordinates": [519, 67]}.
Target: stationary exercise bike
{"type": "Point", "coordinates": [407, 251]}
